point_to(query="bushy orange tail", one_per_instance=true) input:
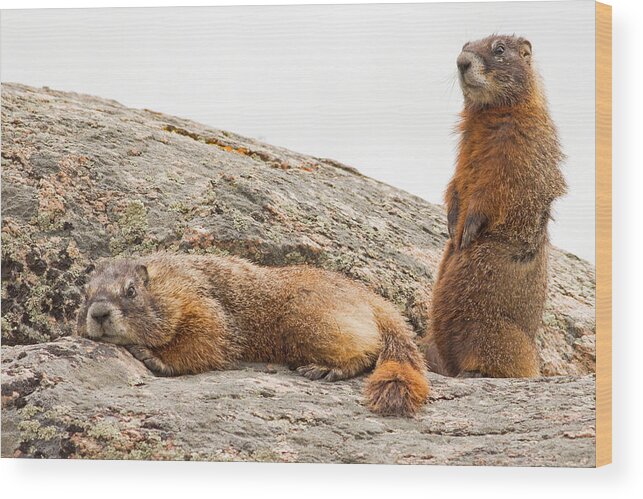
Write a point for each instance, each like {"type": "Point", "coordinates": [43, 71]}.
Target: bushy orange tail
{"type": "Point", "coordinates": [398, 385]}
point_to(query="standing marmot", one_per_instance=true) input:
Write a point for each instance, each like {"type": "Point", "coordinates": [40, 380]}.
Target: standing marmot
{"type": "Point", "coordinates": [188, 314]}
{"type": "Point", "coordinates": [488, 299]}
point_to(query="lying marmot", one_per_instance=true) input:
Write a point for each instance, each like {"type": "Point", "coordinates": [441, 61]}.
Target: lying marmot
{"type": "Point", "coordinates": [184, 314]}
{"type": "Point", "coordinates": [489, 295]}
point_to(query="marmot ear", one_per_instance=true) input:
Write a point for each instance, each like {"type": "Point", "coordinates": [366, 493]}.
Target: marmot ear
{"type": "Point", "coordinates": [141, 271]}
{"type": "Point", "coordinates": [97, 267]}
{"type": "Point", "coordinates": [525, 49]}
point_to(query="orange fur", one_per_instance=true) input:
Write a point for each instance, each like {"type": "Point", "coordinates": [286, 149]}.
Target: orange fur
{"type": "Point", "coordinates": [198, 313]}
{"type": "Point", "coordinates": [396, 389]}
{"type": "Point", "coordinates": [489, 296]}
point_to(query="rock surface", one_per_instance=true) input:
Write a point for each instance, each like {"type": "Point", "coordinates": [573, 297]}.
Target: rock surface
{"type": "Point", "coordinates": [85, 178]}
{"type": "Point", "coordinates": [80, 399]}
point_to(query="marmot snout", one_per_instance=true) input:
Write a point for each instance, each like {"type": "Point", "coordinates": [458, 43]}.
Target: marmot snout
{"type": "Point", "coordinates": [495, 70]}
{"type": "Point", "coordinates": [119, 307]}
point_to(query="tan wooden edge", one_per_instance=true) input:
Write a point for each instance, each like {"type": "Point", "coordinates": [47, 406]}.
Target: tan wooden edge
{"type": "Point", "coordinates": [603, 234]}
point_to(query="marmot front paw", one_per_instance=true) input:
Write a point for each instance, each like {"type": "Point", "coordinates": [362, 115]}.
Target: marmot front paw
{"type": "Point", "coordinates": [153, 363]}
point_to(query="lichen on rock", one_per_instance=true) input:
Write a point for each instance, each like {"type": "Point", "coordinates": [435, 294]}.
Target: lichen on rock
{"type": "Point", "coordinates": [268, 413]}
{"type": "Point", "coordinates": [84, 178]}
{"type": "Point", "coordinates": [191, 188]}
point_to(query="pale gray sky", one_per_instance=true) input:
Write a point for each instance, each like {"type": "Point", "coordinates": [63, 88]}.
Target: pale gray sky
{"type": "Point", "coordinates": [373, 86]}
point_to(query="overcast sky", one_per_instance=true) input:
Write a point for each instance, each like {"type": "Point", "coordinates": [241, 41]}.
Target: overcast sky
{"type": "Point", "coordinates": [373, 86]}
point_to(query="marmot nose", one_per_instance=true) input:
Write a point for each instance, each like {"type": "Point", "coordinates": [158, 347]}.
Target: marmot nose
{"type": "Point", "coordinates": [100, 312]}
{"type": "Point", "coordinates": [463, 62]}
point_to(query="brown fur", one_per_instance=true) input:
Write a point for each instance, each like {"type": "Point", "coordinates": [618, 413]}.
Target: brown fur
{"type": "Point", "coordinates": [190, 314]}
{"type": "Point", "coordinates": [489, 295]}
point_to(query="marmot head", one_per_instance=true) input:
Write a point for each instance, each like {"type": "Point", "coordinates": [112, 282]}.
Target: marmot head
{"type": "Point", "coordinates": [119, 307]}
{"type": "Point", "coordinates": [495, 71]}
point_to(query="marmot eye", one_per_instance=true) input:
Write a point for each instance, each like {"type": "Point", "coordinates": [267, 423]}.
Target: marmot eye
{"type": "Point", "coordinates": [131, 291]}
{"type": "Point", "coordinates": [499, 50]}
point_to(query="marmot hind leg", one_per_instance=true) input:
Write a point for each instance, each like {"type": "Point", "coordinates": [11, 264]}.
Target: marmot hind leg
{"type": "Point", "coordinates": [499, 350]}
{"type": "Point", "coordinates": [329, 373]}
{"type": "Point", "coordinates": [336, 345]}
{"type": "Point", "coordinates": [434, 361]}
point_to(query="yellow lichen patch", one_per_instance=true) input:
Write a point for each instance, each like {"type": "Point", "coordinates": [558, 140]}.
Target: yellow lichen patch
{"type": "Point", "coordinates": [51, 206]}
{"type": "Point", "coordinates": [198, 237]}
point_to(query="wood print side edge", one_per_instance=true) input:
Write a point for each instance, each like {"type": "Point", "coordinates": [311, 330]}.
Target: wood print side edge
{"type": "Point", "coordinates": [603, 234]}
